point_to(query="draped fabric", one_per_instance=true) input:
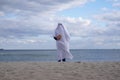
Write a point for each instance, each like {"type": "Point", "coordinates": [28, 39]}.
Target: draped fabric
{"type": "Point", "coordinates": [63, 44]}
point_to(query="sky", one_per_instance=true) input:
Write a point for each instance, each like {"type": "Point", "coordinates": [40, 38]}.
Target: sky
{"type": "Point", "coordinates": [30, 24]}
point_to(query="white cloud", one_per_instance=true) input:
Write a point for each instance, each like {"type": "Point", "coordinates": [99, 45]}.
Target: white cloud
{"type": "Point", "coordinates": [35, 6]}
{"type": "Point", "coordinates": [115, 3]}
{"type": "Point", "coordinates": [2, 14]}
{"type": "Point", "coordinates": [26, 21]}
{"type": "Point", "coordinates": [33, 17]}
{"type": "Point", "coordinates": [112, 21]}
{"type": "Point", "coordinates": [108, 30]}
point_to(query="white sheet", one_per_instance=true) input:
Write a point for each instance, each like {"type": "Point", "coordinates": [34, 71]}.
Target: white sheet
{"type": "Point", "coordinates": [63, 43]}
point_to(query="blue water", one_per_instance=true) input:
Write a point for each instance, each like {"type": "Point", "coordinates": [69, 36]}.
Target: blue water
{"type": "Point", "coordinates": [51, 55]}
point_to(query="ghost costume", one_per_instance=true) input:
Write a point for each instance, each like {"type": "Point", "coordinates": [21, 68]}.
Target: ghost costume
{"type": "Point", "coordinates": [63, 44]}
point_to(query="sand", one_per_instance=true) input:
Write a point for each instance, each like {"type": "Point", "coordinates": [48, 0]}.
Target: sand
{"type": "Point", "coordinates": [59, 71]}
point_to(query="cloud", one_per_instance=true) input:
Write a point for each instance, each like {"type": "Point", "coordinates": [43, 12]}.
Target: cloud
{"type": "Point", "coordinates": [41, 6]}
{"type": "Point", "coordinates": [112, 16]}
{"type": "Point", "coordinates": [2, 14]}
{"type": "Point", "coordinates": [33, 17]}
{"type": "Point", "coordinates": [115, 3]}
{"type": "Point", "coordinates": [23, 22]}
{"type": "Point", "coordinates": [111, 21]}
{"type": "Point", "coordinates": [19, 28]}
{"type": "Point", "coordinates": [26, 21]}
{"type": "Point", "coordinates": [106, 32]}
{"type": "Point", "coordinates": [40, 42]}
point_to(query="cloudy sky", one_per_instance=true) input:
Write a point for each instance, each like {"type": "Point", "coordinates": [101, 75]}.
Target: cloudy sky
{"type": "Point", "coordinates": [30, 24]}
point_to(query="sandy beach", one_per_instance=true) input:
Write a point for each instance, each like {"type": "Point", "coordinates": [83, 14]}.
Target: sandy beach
{"type": "Point", "coordinates": [59, 71]}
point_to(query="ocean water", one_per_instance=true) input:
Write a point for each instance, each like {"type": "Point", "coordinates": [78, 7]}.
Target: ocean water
{"type": "Point", "coordinates": [51, 55]}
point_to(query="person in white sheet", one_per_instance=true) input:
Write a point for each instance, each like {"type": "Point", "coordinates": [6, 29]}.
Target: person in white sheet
{"type": "Point", "coordinates": [62, 38]}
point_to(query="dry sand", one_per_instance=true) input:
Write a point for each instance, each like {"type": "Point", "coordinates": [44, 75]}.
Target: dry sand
{"type": "Point", "coordinates": [59, 71]}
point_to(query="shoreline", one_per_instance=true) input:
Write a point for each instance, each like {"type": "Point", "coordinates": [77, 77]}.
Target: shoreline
{"type": "Point", "coordinates": [49, 49]}
{"type": "Point", "coordinates": [60, 71]}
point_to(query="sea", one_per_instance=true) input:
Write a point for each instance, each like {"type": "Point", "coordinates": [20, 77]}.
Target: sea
{"type": "Point", "coordinates": [82, 55]}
